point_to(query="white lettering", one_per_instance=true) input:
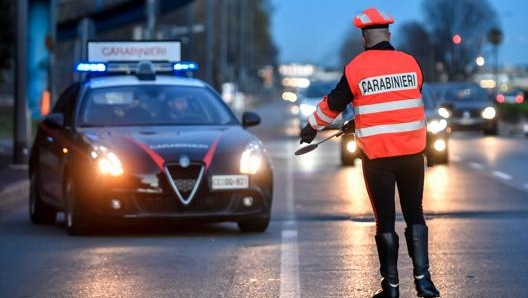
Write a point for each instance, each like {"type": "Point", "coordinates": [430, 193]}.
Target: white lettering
{"type": "Point", "coordinates": [389, 83]}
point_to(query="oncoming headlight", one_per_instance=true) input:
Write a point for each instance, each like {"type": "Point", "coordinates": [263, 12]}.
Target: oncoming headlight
{"type": "Point", "coordinates": [489, 113]}
{"type": "Point", "coordinates": [444, 112]}
{"type": "Point", "coordinates": [307, 109]}
{"type": "Point", "coordinates": [251, 159]}
{"type": "Point", "coordinates": [351, 146]}
{"type": "Point", "coordinates": [440, 145]}
{"type": "Point", "coordinates": [107, 162]}
{"type": "Point", "coordinates": [437, 125]}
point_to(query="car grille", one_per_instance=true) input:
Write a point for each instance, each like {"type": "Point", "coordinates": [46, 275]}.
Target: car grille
{"type": "Point", "coordinates": [185, 185]}
{"type": "Point", "coordinates": [164, 204]}
{"type": "Point", "coordinates": [185, 181]}
{"type": "Point", "coordinates": [473, 113]}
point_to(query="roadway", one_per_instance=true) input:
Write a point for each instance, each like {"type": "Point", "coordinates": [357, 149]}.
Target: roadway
{"type": "Point", "coordinates": [320, 242]}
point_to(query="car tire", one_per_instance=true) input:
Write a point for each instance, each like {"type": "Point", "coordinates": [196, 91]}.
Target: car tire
{"type": "Point", "coordinates": [492, 130]}
{"type": "Point", "coordinates": [254, 225]}
{"type": "Point", "coordinates": [39, 212]}
{"type": "Point", "coordinates": [441, 159]}
{"type": "Point", "coordinates": [75, 224]}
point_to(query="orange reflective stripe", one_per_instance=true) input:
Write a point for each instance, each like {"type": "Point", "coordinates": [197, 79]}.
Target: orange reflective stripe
{"type": "Point", "coordinates": [323, 115]}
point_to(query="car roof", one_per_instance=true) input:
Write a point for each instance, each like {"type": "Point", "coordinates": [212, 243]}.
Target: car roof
{"type": "Point", "coordinates": [132, 80]}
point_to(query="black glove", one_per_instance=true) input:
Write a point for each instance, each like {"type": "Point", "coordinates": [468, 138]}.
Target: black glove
{"type": "Point", "coordinates": [307, 134]}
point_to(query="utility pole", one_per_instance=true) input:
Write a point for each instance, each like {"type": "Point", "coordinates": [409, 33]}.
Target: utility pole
{"type": "Point", "coordinates": [51, 44]}
{"type": "Point", "coordinates": [224, 37]}
{"type": "Point", "coordinates": [242, 46]}
{"type": "Point", "coordinates": [152, 11]}
{"type": "Point", "coordinates": [495, 37]}
{"type": "Point", "coordinates": [209, 35]}
{"type": "Point", "coordinates": [190, 24]}
{"type": "Point", "coordinates": [20, 128]}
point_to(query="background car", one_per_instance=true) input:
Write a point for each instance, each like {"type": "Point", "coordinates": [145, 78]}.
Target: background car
{"type": "Point", "coordinates": [438, 132]}
{"type": "Point", "coordinates": [349, 151]}
{"type": "Point", "coordinates": [109, 150]}
{"type": "Point", "coordinates": [311, 96]}
{"type": "Point", "coordinates": [512, 96]}
{"type": "Point", "coordinates": [438, 128]}
{"type": "Point", "coordinates": [469, 105]}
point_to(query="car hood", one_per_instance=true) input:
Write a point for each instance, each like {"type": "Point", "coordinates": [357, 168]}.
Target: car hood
{"type": "Point", "coordinates": [470, 104]}
{"type": "Point", "coordinates": [139, 147]}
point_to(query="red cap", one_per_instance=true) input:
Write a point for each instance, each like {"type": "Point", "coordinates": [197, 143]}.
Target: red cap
{"type": "Point", "coordinates": [372, 18]}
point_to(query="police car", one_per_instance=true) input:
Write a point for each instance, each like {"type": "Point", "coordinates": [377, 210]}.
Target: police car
{"type": "Point", "coordinates": [113, 148]}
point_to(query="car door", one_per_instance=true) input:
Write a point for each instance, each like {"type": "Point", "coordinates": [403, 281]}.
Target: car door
{"type": "Point", "coordinates": [54, 139]}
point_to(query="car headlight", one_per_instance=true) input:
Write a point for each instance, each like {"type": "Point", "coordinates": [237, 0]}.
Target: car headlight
{"type": "Point", "coordinates": [444, 113]}
{"type": "Point", "coordinates": [436, 125]}
{"type": "Point", "coordinates": [307, 109]}
{"type": "Point", "coordinates": [489, 113]}
{"type": "Point", "coordinates": [107, 162]}
{"type": "Point", "coordinates": [440, 145]}
{"type": "Point", "coordinates": [251, 159]}
{"type": "Point", "coordinates": [351, 146]}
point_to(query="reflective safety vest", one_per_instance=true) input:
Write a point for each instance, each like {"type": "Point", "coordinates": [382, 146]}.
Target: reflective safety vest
{"type": "Point", "coordinates": [388, 107]}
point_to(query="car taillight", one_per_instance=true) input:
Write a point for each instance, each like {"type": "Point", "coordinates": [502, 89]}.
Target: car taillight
{"type": "Point", "coordinates": [519, 98]}
{"type": "Point", "coordinates": [500, 98]}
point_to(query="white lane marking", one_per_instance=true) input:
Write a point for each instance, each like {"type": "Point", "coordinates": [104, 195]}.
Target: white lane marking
{"type": "Point", "coordinates": [476, 165]}
{"type": "Point", "coordinates": [289, 275]}
{"type": "Point", "coordinates": [502, 175]}
{"type": "Point", "coordinates": [290, 285]}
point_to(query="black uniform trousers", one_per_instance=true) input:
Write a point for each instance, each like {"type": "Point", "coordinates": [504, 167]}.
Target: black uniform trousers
{"type": "Point", "coordinates": [382, 175]}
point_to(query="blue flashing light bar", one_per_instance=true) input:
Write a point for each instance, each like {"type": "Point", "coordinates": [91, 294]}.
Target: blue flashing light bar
{"type": "Point", "coordinates": [90, 67]}
{"type": "Point", "coordinates": [180, 68]}
{"type": "Point", "coordinates": [185, 66]}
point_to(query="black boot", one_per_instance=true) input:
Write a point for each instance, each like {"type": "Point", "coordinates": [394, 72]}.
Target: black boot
{"type": "Point", "coordinates": [417, 243]}
{"type": "Point", "coordinates": [387, 244]}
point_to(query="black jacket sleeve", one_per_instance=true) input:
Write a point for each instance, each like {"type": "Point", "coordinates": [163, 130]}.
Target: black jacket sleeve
{"type": "Point", "coordinates": [340, 96]}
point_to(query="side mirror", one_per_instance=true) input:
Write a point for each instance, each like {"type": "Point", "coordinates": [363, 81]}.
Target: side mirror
{"type": "Point", "coordinates": [55, 119]}
{"type": "Point", "coordinates": [348, 126]}
{"type": "Point", "coordinates": [250, 119]}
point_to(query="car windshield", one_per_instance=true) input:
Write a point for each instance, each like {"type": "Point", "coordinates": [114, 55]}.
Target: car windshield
{"type": "Point", "coordinates": [319, 88]}
{"type": "Point", "coordinates": [153, 105]}
{"type": "Point", "coordinates": [465, 93]}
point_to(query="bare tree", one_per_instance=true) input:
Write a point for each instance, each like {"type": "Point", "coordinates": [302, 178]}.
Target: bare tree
{"type": "Point", "coordinates": [415, 40]}
{"type": "Point", "coordinates": [470, 19]}
{"type": "Point", "coordinates": [351, 46]}
{"type": "Point", "coordinates": [432, 42]}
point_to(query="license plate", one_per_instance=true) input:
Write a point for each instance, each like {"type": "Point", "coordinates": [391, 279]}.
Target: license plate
{"type": "Point", "coordinates": [229, 182]}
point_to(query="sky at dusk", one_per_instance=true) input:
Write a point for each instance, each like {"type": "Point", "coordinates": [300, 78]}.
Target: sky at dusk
{"type": "Point", "coordinates": [311, 31]}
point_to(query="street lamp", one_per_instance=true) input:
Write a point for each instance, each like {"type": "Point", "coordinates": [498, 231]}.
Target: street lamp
{"type": "Point", "coordinates": [480, 61]}
{"type": "Point", "coordinates": [457, 39]}
{"type": "Point", "coordinates": [495, 37]}
{"type": "Point", "coordinates": [456, 55]}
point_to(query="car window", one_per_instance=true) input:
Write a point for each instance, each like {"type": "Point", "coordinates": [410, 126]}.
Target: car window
{"type": "Point", "coordinates": [66, 103]}
{"type": "Point", "coordinates": [153, 105]}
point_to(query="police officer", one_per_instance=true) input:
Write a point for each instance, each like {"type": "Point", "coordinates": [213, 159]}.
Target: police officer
{"type": "Point", "coordinates": [384, 86]}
